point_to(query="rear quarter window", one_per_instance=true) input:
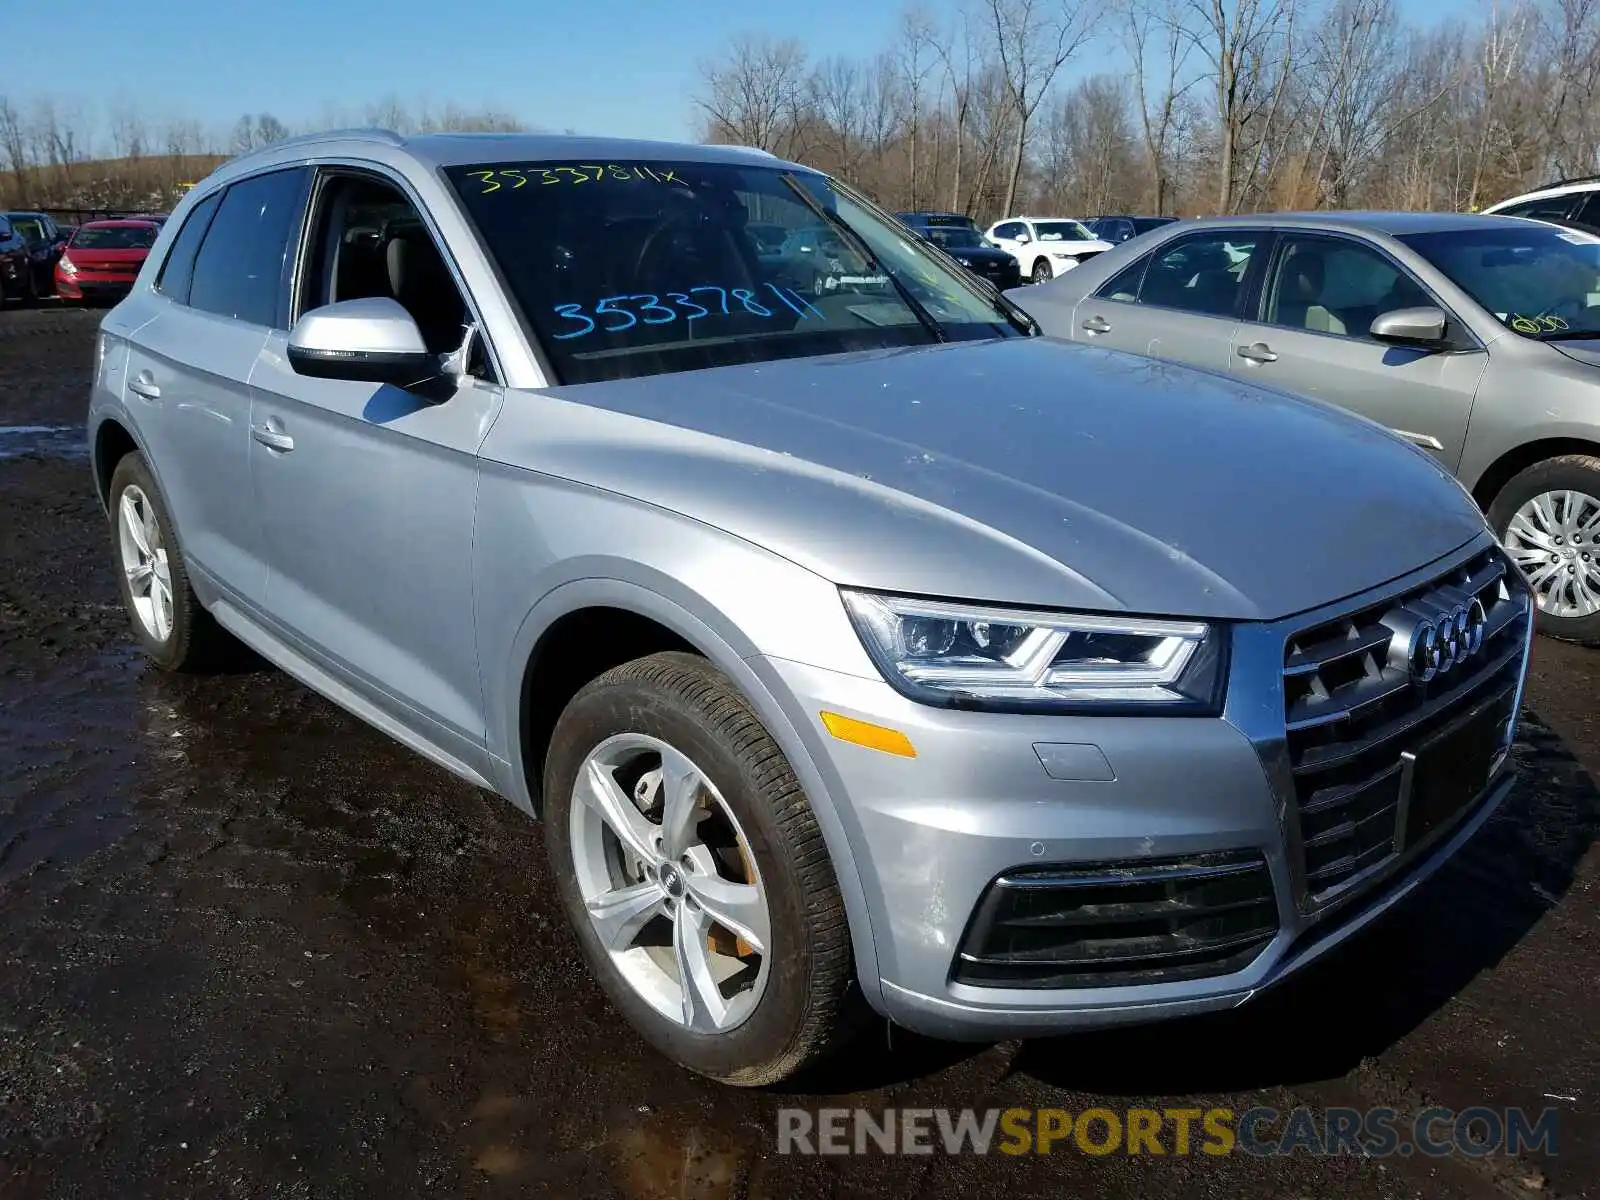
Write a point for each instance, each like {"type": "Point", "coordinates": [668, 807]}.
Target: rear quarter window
{"type": "Point", "coordinates": [178, 269]}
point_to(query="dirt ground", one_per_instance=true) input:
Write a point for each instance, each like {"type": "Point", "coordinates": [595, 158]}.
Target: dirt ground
{"type": "Point", "coordinates": [251, 948]}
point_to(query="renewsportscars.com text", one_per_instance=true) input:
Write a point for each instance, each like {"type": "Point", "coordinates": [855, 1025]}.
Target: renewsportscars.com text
{"type": "Point", "coordinates": [1373, 1132]}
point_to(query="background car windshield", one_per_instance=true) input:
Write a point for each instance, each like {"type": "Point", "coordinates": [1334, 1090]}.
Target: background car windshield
{"type": "Point", "coordinates": [1062, 231]}
{"type": "Point", "coordinates": [955, 237]}
{"type": "Point", "coordinates": [636, 268]}
{"type": "Point", "coordinates": [1537, 281]}
{"type": "Point", "coordinates": [115, 237]}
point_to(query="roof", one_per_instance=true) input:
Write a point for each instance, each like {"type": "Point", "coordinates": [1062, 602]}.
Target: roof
{"type": "Point", "coordinates": [1393, 223]}
{"type": "Point", "coordinates": [460, 149]}
{"type": "Point", "coordinates": [118, 222]}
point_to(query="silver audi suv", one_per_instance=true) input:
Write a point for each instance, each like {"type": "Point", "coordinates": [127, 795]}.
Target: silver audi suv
{"type": "Point", "coordinates": [860, 649]}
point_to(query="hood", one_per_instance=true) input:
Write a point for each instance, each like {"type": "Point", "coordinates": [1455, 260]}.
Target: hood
{"type": "Point", "coordinates": [92, 257]}
{"type": "Point", "coordinates": [1074, 248]}
{"type": "Point", "coordinates": [1580, 350]}
{"type": "Point", "coordinates": [978, 254]}
{"type": "Point", "coordinates": [1024, 471]}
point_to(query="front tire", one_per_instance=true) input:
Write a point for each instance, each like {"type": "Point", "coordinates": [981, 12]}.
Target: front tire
{"type": "Point", "coordinates": [1548, 518]}
{"type": "Point", "coordinates": [694, 873]}
{"type": "Point", "coordinates": [1041, 271]}
{"type": "Point", "coordinates": [176, 633]}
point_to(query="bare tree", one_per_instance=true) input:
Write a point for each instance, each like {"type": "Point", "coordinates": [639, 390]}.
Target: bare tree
{"type": "Point", "coordinates": [753, 95]}
{"type": "Point", "coordinates": [1246, 45]}
{"type": "Point", "coordinates": [1034, 39]}
{"type": "Point", "coordinates": [1160, 52]}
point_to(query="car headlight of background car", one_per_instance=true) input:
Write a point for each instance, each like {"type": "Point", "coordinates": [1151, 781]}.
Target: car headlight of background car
{"type": "Point", "coordinates": [975, 656]}
{"type": "Point", "coordinates": [1063, 256]}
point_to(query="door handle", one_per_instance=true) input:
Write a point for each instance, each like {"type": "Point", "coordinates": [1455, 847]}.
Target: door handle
{"type": "Point", "coordinates": [1097, 325]}
{"type": "Point", "coordinates": [142, 386]}
{"type": "Point", "coordinates": [272, 439]}
{"type": "Point", "coordinates": [1258, 352]}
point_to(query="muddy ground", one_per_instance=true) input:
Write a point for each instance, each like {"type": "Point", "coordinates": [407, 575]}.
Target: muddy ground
{"type": "Point", "coordinates": [250, 948]}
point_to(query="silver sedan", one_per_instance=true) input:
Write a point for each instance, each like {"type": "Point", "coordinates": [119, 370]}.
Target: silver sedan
{"type": "Point", "coordinates": [1472, 337]}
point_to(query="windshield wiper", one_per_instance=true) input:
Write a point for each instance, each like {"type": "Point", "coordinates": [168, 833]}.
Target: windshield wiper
{"type": "Point", "coordinates": [924, 317]}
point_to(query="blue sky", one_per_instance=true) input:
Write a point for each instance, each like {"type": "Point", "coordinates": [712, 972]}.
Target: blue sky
{"type": "Point", "coordinates": [625, 67]}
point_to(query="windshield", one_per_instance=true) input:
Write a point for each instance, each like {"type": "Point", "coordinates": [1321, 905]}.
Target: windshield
{"type": "Point", "coordinates": [1146, 224]}
{"type": "Point", "coordinates": [115, 237]}
{"type": "Point", "coordinates": [635, 268]}
{"type": "Point", "coordinates": [1061, 231]}
{"type": "Point", "coordinates": [954, 237]}
{"type": "Point", "coordinates": [1539, 281]}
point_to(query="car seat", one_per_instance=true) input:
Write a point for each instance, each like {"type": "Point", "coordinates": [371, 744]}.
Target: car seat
{"type": "Point", "coordinates": [1299, 299]}
{"type": "Point", "coordinates": [419, 279]}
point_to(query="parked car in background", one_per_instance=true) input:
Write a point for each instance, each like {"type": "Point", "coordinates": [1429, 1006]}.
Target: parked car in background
{"type": "Point", "coordinates": [1045, 247]}
{"type": "Point", "coordinates": [958, 236]}
{"type": "Point", "coordinates": [1117, 230]}
{"type": "Point", "coordinates": [1476, 338]}
{"type": "Point", "coordinates": [103, 258]}
{"type": "Point", "coordinates": [855, 648]}
{"type": "Point", "coordinates": [923, 220]}
{"type": "Point", "coordinates": [42, 242]}
{"type": "Point", "coordinates": [16, 264]}
{"type": "Point", "coordinates": [1566, 200]}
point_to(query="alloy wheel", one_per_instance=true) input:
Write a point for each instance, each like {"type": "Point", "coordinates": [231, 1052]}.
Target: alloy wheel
{"type": "Point", "coordinates": [669, 883]}
{"type": "Point", "coordinates": [1555, 539]}
{"type": "Point", "coordinates": [144, 561]}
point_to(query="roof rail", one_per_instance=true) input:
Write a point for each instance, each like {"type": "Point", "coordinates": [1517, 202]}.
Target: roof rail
{"type": "Point", "coordinates": [366, 134]}
{"type": "Point", "coordinates": [1544, 187]}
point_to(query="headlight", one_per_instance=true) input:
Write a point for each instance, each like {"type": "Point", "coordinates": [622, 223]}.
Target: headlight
{"type": "Point", "coordinates": [1064, 256]}
{"type": "Point", "coordinates": [970, 656]}
{"type": "Point", "coordinates": [68, 267]}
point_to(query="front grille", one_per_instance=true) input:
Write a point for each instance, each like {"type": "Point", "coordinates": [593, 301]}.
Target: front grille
{"type": "Point", "coordinates": [1361, 723]}
{"type": "Point", "coordinates": [1117, 923]}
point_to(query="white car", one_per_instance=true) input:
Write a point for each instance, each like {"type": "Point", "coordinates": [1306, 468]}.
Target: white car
{"type": "Point", "coordinates": [1567, 201]}
{"type": "Point", "coordinates": [1045, 247]}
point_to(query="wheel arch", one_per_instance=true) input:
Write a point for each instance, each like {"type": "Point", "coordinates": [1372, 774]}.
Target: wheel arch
{"type": "Point", "coordinates": [644, 619]}
{"type": "Point", "coordinates": [112, 442]}
{"type": "Point", "coordinates": [1513, 462]}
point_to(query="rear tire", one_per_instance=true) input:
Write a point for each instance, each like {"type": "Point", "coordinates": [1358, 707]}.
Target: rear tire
{"type": "Point", "coordinates": [172, 628]}
{"type": "Point", "coordinates": [1041, 271]}
{"type": "Point", "coordinates": [787, 1005]}
{"type": "Point", "coordinates": [1548, 518]}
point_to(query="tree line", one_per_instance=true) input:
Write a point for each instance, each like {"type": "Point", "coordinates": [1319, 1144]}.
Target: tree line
{"type": "Point", "coordinates": [1204, 106]}
{"type": "Point", "coordinates": [55, 154]}
{"type": "Point", "coordinates": [986, 107]}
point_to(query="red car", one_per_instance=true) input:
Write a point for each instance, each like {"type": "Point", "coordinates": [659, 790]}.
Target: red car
{"type": "Point", "coordinates": [103, 257]}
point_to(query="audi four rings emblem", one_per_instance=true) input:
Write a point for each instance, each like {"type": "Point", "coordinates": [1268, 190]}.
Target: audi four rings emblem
{"type": "Point", "coordinates": [1431, 643]}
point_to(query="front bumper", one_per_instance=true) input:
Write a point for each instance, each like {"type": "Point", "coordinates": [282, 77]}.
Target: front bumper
{"type": "Point", "coordinates": [930, 834]}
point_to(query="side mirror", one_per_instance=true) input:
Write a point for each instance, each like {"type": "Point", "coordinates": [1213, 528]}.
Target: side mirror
{"type": "Point", "coordinates": [1422, 327]}
{"type": "Point", "coordinates": [1022, 239]}
{"type": "Point", "coordinates": [373, 340]}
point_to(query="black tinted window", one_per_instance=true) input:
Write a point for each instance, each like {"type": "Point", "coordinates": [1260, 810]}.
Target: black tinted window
{"type": "Point", "coordinates": [239, 270]}
{"type": "Point", "coordinates": [1202, 274]}
{"type": "Point", "coordinates": [1124, 285]}
{"type": "Point", "coordinates": [1549, 206]}
{"type": "Point", "coordinates": [177, 271]}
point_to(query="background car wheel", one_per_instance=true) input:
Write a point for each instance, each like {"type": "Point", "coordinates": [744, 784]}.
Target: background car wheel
{"type": "Point", "coordinates": [174, 630]}
{"type": "Point", "coordinates": [1041, 271]}
{"type": "Point", "coordinates": [694, 874]}
{"type": "Point", "coordinates": [1548, 517]}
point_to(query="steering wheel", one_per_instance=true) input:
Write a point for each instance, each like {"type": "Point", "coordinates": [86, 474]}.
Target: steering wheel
{"type": "Point", "coordinates": [652, 241]}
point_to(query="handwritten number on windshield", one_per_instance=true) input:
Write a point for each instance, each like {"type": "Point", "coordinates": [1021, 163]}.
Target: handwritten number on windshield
{"type": "Point", "coordinates": [574, 312]}
{"type": "Point", "coordinates": [651, 311]}
{"type": "Point", "coordinates": [680, 299]}
{"type": "Point", "coordinates": [1543, 323]}
{"type": "Point", "coordinates": [511, 178]}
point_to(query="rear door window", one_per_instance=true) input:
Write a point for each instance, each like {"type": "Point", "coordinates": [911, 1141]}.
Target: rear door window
{"type": "Point", "coordinates": [1202, 274]}
{"type": "Point", "coordinates": [240, 271]}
